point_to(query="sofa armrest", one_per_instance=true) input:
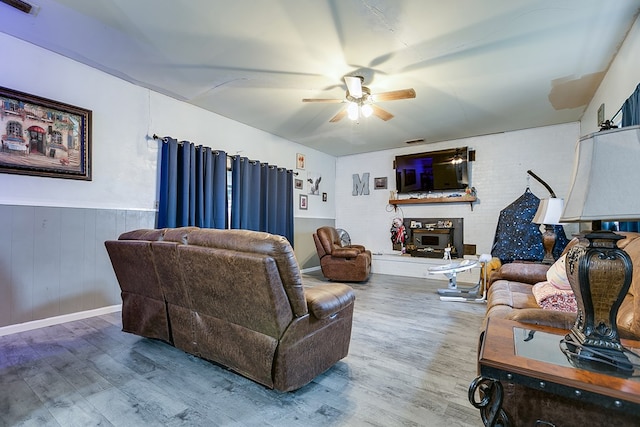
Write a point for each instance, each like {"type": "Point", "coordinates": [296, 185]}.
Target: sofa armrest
{"type": "Point", "coordinates": [536, 316]}
{"type": "Point", "coordinates": [525, 272]}
{"type": "Point", "coordinates": [360, 248]}
{"type": "Point", "coordinates": [326, 300]}
{"type": "Point", "coordinates": [345, 252]}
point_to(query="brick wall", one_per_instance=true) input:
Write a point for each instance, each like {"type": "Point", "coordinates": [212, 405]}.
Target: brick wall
{"type": "Point", "coordinates": [499, 175]}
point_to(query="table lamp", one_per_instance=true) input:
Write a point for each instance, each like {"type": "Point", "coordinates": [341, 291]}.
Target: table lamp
{"type": "Point", "coordinates": [548, 213]}
{"type": "Point", "coordinates": [604, 186]}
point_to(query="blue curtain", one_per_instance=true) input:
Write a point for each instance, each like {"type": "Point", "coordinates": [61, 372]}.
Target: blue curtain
{"type": "Point", "coordinates": [193, 186]}
{"type": "Point", "coordinates": [621, 226]}
{"type": "Point", "coordinates": [631, 109]}
{"type": "Point", "coordinates": [261, 197]}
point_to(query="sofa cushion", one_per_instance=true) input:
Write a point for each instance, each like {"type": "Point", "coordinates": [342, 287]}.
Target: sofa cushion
{"type": "Point", "coordinates": [512, 294]}
{"type": "Point", "coordinates": [515, 301]}
{"type": "Point", "coordinates": [549, 297]}
{"type": "Point", "coordinates": [557, 274]}
{"type": "Point", "coordinates": [525, 272]}
{"type": "Point", "coordinates": [276, 247]}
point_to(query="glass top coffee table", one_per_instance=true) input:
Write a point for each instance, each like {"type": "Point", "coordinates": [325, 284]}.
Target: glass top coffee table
{"type": "Point", "coordinates": [452, 292]}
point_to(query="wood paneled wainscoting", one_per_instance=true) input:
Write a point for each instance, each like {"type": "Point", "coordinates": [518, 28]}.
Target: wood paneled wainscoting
{"type": "Point", "coordinates": [53, 261]}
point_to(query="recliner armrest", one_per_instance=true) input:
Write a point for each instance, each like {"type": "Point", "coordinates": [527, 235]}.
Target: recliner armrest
{"type": "Point", "coordinates": [358, 247]}
{"type": "Point", "coordinates": [326, 300]}
{"type": "Point", "coordinates": [345, 252]}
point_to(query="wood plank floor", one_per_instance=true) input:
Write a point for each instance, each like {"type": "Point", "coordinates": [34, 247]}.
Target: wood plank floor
{"type": "Point", "coordinates": [411, 359]}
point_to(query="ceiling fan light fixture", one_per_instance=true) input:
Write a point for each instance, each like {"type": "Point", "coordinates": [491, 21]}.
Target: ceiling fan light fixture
{"type": "Point", "coordinates": [361, 103]}
{"type": "Point", "coordinates": [367, 110]}
{"type": "Point", "coordinates": [457, 159]}
{"type": "Point", "coordinates": [352, 111]}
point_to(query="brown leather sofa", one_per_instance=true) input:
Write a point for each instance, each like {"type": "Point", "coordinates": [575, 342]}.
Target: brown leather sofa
{"type": "Point", "coordinates": [234, 297]}
{"type": "Point", "coordinates": [341, 263]}
{"type": "Point", "coordinates": [510, 294]}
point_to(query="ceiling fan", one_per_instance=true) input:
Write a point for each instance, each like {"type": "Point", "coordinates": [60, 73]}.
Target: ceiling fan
{"type": "Point", "coordinates": [362, 101]}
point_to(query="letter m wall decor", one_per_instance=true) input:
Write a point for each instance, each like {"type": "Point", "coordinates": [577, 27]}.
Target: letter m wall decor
{"type": "Point", "coordinates": [361, 186]}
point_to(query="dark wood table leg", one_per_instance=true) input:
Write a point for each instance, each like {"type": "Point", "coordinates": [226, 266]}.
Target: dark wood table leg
{"type": "Point", "coordinates": [489, 392]}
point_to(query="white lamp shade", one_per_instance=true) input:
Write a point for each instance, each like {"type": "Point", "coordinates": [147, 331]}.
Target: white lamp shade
{"type": "Point", "coordinates": [606, 177]}
{"type": "Point", "coordinates": [549, 211]}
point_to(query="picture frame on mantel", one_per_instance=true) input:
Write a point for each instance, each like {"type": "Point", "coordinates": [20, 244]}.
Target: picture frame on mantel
{"type": "Point", "coordinates": [43, 137]}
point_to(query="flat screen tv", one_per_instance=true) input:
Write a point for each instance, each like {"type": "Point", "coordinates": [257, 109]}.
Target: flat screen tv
{"type": "Point", "coordinates": [432, 171]}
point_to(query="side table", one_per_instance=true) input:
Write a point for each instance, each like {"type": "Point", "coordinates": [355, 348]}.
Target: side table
{"type": "Point", "coordinates": [526, 380]}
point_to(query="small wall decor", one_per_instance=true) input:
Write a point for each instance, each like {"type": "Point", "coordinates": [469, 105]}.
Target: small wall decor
{"type": "Point", "coordinates": [303, 202]}
{"type": "Point", "coordinates": [314, 179]}
{"type": "Point", "coordinates": [300, 161]}
{"type": "Point", "coordinates": [360, 186]}
{"type": "Point", "coordinates": [380, 183]}
{"type": "Point", "coordinates": [298, 184]}
{"type": "Point", "coordinates": [42, 137]}
{"type": "Point", "coordinates": [600, 114]}
{"type": "Point", "coordinates": [324, 197]}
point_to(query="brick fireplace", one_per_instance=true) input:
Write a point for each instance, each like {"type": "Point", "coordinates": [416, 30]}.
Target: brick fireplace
{"type": "Point", "coordinates": [428, 237]}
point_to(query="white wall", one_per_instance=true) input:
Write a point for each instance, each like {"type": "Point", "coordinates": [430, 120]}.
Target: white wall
{"type": "Point", "coordinates": [125, 117]}
{"type": "Point", "coordinates": [499, 175]}
{"type": "Point", "coordinates": [202, 127]}
{"type": "Point", "coordinates": [618, 84]}
{"type": "Point", "coordinates": [72, 219]}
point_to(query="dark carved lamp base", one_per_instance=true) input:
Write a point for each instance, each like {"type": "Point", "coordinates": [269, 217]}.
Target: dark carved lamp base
{"type": "Point", "coordinates": [600, 276]}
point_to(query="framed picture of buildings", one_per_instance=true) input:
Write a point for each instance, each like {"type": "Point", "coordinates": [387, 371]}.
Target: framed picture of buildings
{"type": "Point", "coordinates": [42, 137]}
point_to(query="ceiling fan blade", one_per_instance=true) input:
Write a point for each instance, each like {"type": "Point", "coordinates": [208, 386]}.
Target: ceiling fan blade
{"type": "Point", "coordinates": [383, 114]}
{"type": "Point", "coordinates": [394, 95]}
{"type": "Point", "coordinates": [354, 86]}
{"type": "Point", "coordinates": [322, 100]}
{"type": "Point", "coordinates": [339, 116]}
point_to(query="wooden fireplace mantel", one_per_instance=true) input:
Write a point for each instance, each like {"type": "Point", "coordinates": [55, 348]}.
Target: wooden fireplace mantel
{"type": "Point", "coordinates": [415, 201]}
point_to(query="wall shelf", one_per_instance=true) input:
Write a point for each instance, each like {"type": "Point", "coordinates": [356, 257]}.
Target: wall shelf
{"type": "Point", "coordinates": [462, 199]}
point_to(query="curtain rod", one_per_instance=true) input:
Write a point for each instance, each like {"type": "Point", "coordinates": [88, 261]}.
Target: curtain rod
{"type": "Point", "coordinates": [180, 143]}
{"type": "Point", "coordinates": [618, 112]}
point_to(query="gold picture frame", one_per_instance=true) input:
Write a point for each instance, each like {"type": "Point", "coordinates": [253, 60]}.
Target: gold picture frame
{"type": "Point", "coordinates": [42, 137]}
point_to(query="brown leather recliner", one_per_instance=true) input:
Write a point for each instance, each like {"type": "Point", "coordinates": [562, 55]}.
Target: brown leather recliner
{"type": "Point", "coordinates": [235, 297]}
{"type": "Point", "coordinates": [342, 263]}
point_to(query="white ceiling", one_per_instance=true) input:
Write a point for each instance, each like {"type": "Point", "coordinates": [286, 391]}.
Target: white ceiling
{"type": "Point", "coordinates": [478, 67]}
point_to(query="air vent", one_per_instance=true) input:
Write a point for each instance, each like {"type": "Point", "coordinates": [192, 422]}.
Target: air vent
{"type": "Point", "coordinates": [18, 4]}
{"type": "Point", "coordinates": [414, 141]}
